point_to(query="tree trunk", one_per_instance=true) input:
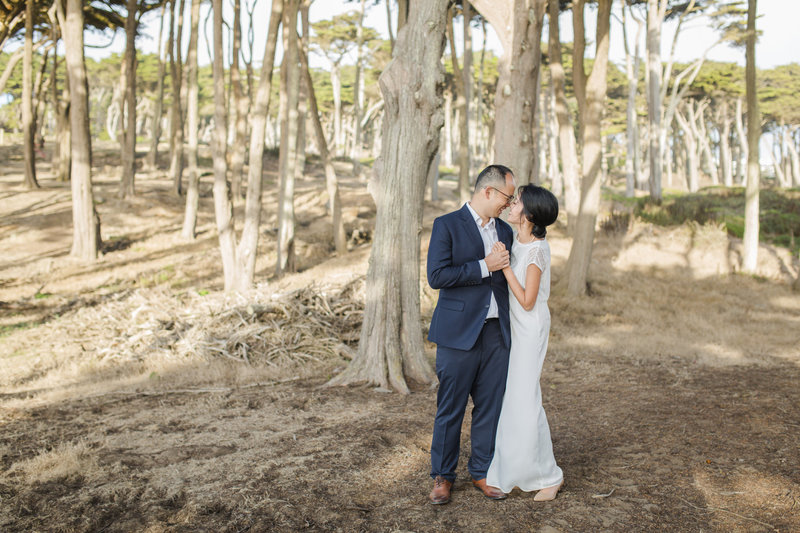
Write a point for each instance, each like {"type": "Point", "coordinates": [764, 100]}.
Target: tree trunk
{"type": "Point", "coordinates": [188, 231]}
{"type": "Point", "coordinates": [632, 131]}
{"type": "Point", "coordinates": [795, 162]}
{"type": "Point", "coordinates": [391, 348]}
{"type": "Point", "coordinates": [551, 126]}
{"type": "Point", "coordinates": [751, 209]}
{"type": "Point", "coordinates": [28, 124]}
{"type": "Point", "coordinates": [177, 118]}
{"type": "Point", "coordinates": [290, 86]}
{"type": "Point", "coordinates": [358, 91]}
{"type": "Point", "coordinates": [655, 18]}
{"type": "Point", "coordinates": [742, 138]}
{"type": "Point", "coordinates": [690, 143]}
{"type": "Point", "coordinates": [223, 209]}
{"type": "Point", "coordinates": [705, 143]}
{"type": "Point", "coordinates": [595, 91]}
{"type": "Point", "coordinates": [241, 105]}
{"type": "Point", "coordinates": [155, 136]}
{"type": "Point", "coordinates": [331, 182]}
{"type": "Point", "coordinates": [566, 133]}
{"type": "Point", "coordinates": [246, 251]}
{"type": "Point", "coordinates": [519, 27]}
{"type": "Point", "coordinates": [338, 134]}
{"type": "Point", "coordinates": [128, 156]}
{"type": "Point", "coordinates": [447, 138]}
{"type": "Point", "coordinates": [463, 82]}
{"type": "Point", "coordinates": [86, 223]}
{"type": "Point", "coordinates": [726, 160]}
{"type": "Point", "coordinates": [13, 59]}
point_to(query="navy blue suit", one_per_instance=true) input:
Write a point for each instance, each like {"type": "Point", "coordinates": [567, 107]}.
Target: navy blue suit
{"type": "Point", "coordinates": [471, 353]}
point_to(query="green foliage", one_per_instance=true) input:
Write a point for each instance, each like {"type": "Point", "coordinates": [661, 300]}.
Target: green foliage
{"type": "Point", "coordinates": [779, 217]}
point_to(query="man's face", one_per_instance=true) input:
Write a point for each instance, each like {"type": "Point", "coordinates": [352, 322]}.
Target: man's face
{"type": "Point", "coordinates": [502, 197]}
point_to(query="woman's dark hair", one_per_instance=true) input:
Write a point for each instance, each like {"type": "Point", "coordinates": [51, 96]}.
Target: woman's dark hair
{"type": "Point", "coordinates": [539, 206]}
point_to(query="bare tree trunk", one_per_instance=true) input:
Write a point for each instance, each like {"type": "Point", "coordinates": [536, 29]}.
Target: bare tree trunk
{"type": "Point", "coordinates": [28, 124]}
{"type": "Point", "coordinates": [655, 17]}
{"type": "Point", "coordinates": [128, 158]}
{"type": "Point", "coordinates": [391, 348]}
{"type": "Point", "coordinates": [188, 231]}
{"type": "Point", "coordinates": [519, 27]}
{"type": "Point", "coordinates": [725, 157]}
{"type": "Point", "coordinates": [447, 139]}
{"type": "Point", "coordinates": [742, 138]}
{"type": "Point", "coordinates": [595, 91]}
{"type": "Point", "coordinates": [246, 251]}
{"type": "Point", "coordinates": [632, 132]}
{"type": "Point", "coordinates": [566, 133]}
{"type": "Point", "coordinates": [241, 106]}
{"type": "Point", "coordinates": [795, 162]}
{"type": "Point", "coordinates": [690, 143]}
{"type": "Point", "coordinates": [331, 182]}
{"type": "Point", "coordinates": [551, 126]}
{"type": "Point", "coordinates": [152, 156]}
{"type": "Point", "coordinates": [290, 85]}
{"type": "Point", "coordinates": [751, 208]}
{"type": "Point", "coordinates": [86, 223]}
{"type": "Point", "coordinates": [177, 118]}
{"type": "Point", "coordinates": [338, 134]}
{"type": "Point", "coordinates": [463, 79]}
{"type": "Point", "coordinates": [358, 91]}
{"type": "Point", "coordinates": [223, 208]}
{"type": "Point", "coordinates": [705, 142]}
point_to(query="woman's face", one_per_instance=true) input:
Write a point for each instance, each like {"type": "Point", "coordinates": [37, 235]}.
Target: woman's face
{"type": "Point", "coordinates": [515, 216]}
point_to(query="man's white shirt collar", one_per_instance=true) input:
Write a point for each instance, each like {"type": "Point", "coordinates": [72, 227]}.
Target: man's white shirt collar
{"type": "Point", "coordinates": [478, 219]}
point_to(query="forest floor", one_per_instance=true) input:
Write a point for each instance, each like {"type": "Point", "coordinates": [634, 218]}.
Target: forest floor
{"type": "Point", "coordinates": [671, 391]}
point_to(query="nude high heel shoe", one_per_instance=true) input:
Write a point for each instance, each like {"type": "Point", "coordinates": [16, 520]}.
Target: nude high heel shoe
{"type": "Point", "coordinates": [548, 494]}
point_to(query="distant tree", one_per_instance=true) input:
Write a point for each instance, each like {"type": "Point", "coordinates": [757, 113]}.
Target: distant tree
{"type": "Point", "coordinates": [28, 124]}
{"type": "Point", "coordinates": [751, 209]}
{"type": "Point", "coordinates": [188, 230]}
{"type": "Point", "coordinates": [128, 156]}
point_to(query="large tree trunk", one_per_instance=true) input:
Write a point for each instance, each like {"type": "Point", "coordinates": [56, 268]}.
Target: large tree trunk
{"type": "Point", "coordinates": [155, 136]}
{"type": "Point", "coordinates": [223, 208]}
{"type": "Point", "coordinates": [566, 133]}
{"type": "Point", "coordinates": [128, 158]}
{"type": "Point", "coordinates": [519, 27]}
{"type": "Point", "coordinates": [391, 348]}
{"type": "Point", "coordinates": [331, 182]}
{"type": "Point", "coordinates": [595, 91]}
{"type": "Point", "coordinates": [28, 124]}
{"type": "Point", "coordinates": [656, 10]}
{"type": "Point", "coordinates": [240, 106]}
{"type": "Point", "coordinates": [86, 223]}
{"type": "Point", "coordinates": [751, 209]}
{"type": "Point", "coordinates": [742, 138]}
{"type": "Point", "coordinates": [290, 87]}
{"type": "Point", "coordinates": [176, 117]}
{"type": "Point", "coordinates": [726, 159]}
{"type": "Point", "coordinates": [188, 231]}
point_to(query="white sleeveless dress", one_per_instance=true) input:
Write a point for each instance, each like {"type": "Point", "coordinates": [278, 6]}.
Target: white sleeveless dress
{"type": "Point", "coordinates": [523, 454]}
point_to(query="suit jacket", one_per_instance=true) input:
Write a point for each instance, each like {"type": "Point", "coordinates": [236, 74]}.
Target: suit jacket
{"type": "Point", "coordinates": [453, 267]}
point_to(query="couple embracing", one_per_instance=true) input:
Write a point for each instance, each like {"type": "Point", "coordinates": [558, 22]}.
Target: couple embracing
{"type": "Point", "coordinates": [491, 326]}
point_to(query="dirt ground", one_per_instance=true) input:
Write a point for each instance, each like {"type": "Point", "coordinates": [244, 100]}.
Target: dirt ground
{"type": "Point", "coordinates": [671, 391]}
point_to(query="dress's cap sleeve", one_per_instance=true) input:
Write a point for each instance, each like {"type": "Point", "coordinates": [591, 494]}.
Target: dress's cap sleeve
{"type": "Point", "coordinates": [538, 257]}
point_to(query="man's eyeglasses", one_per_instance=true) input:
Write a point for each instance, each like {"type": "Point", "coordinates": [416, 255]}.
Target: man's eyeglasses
{"type": "Point", "coordinates": [509, 199]}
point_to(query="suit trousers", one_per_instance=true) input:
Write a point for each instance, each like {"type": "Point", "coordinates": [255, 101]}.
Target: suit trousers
{"type": "Point", "coordinates": [479, 372]}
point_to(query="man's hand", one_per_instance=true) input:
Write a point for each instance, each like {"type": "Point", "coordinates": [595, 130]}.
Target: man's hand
{"type": "Point", "coordinates": [498, 259]}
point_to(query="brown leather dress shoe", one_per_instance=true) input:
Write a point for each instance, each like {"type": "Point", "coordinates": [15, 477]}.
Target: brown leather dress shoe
{"type": "Point", "coordinates": [493, 493]}
{"type": "Point", "coordinates": [441, 491]}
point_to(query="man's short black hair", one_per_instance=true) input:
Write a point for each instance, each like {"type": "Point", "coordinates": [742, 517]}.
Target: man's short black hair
{"type": "Point", "coordinates": [492, 176]}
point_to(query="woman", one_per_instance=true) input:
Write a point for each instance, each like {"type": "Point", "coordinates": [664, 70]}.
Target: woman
{"type": "Point", "coordinates": [523, 455]}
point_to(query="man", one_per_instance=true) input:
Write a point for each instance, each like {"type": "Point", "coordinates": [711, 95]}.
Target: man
{"type": "Point", "coordinates": [471, 328]}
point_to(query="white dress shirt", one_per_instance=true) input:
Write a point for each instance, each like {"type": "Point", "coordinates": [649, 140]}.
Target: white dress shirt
{"type": "Point", "coordinates": [489, 236]}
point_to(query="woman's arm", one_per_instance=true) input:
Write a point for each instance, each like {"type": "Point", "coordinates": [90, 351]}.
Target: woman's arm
{"type": "Point", "coordinates": [527, 296]}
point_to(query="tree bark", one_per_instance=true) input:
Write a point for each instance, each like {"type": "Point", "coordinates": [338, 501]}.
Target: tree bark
{"type": "Point", "coordinates": [566, 133]}
{"type": "Point", "coordinates": [632, 170]}
{"type": "Point", "coordinates": [176, 117]}
{"type": "Point", "coordinates": [152, 156]}
{"type": "Point", "coordinates": [331, 182]}
{"type": "Point", "coordinates": [128, 155]}
{"type": "Point", "coordinates": [240, 107]}
{"type": "Point", "coordinates": [751, 208]}
{"type": "Point", "coordinates": [290, 86]}
{"type": "Point", "coordinates": [463, 79]}
{"type": "Point", "coordinates": [595, 90]}
{"type": "Point", "coordinates": [85, 222]}
{"type": "Point", "coordinates": [391, 348]}
{"type": "Point", "coordinates": [189, 228]}
{"type": "Point", "coordinates": [28, 123]}
{"type": "Point", "coordinates": [223, 209]}
{"type": "Point", "coordinates": [655, 17]}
